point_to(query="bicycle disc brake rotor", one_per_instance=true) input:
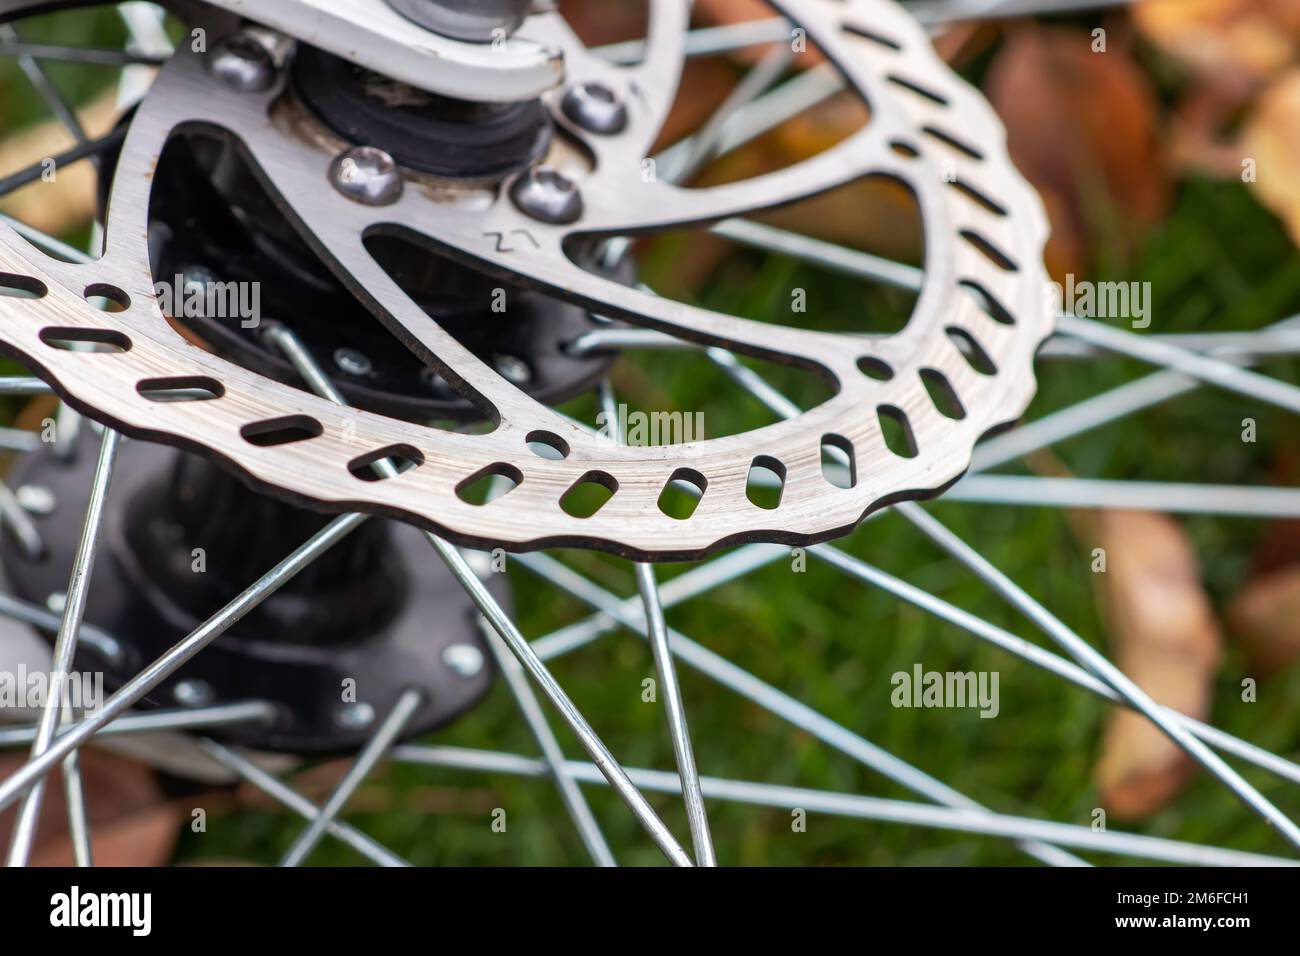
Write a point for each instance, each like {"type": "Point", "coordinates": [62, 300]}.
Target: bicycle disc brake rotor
{"type": "Point", "coordinates": [978, 321]}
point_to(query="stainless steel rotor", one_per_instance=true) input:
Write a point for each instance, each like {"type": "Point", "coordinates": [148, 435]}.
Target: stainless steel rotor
{"type": "Point", "coordinates": [977, 324]}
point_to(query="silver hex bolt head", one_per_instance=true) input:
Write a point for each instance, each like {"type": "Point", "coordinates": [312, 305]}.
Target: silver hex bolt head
{"type": "Point", "coordinates": [249, 59]}
{"type": "Point", "coordinates": [596, 108]}
{"type": "Point", "coordinates": [546, 194]}
{"type": "Point", "coordinates": [367, 175]}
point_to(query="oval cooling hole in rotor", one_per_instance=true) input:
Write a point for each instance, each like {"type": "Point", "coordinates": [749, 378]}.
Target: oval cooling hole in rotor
{"type": "Point", "coordinates": [488, 484]}
{"type": "Point", "coordinates": [286, 430]}
{"type": "Point", "coordinates": [897, 431]}
{"type": "Point", "coordinates": [387, 462]}
{"type": "Point", "coordinates": [839, 465]}
{"type": "Point", "coordinates": [942, 394]}
{"type": "Point", "coordinates": [21, 287]}
{"type": "Point", "coordinates": [766, 482]}
{"type": "Point", "coordinates": [589, 494]}
{"type": "Point", "coordinates": [80, 339]}
{"type": "Point", "coordinates": [180, 388]}
{"type": "Point", "coordinates": [682, 493]}
{"type": "Point", "coordinates": [971, 350]}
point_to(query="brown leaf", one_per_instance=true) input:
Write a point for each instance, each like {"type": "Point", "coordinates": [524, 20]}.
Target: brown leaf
{"type": "Point", "coordinates": [599, 23]}
{"type": "Point", "coordinates": [1234, 44]}
{"type": "Point", "coordinates": [1265, 619]}
{"type": "Point", "coordinates": [1082, 127]}
{"type": "Point", "coordinates": [131, 822]}
{"type": "Point", "coordinates": [1164, 636]}
{"type": "Point", "coordinates": [1271, 137]}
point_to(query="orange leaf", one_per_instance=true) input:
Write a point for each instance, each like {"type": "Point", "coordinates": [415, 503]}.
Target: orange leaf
{"type": "Point", "coordinates": [1271, 137]}
{"type": "Point", "coordinates": [1082, 127]}
{"type": "Point", "coordinates": [1230, 42]}
{"type": "Point", "coordinates": [1164, 636]}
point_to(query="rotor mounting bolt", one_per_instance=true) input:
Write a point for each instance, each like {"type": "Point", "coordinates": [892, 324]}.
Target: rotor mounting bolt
{"type": "Point", "coordinates": [250, 59]}
{"type": "Point", "coordinates": [513, 370]}
{"type": "Point", "coordinates": [596, 108]}
{"type": "Point", "coordinates": [353, 362]}
{"type": "Point", "coordinates": [465, 660]}
{"type": "Point", "coordinates": [367, 175]}
{"type": "Point", "coordinates": [546, 194]}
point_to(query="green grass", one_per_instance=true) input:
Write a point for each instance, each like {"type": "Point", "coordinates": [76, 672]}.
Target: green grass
{"type": "Point", "coordinates": [1219, 263]}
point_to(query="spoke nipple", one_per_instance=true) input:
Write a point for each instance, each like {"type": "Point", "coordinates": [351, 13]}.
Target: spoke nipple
{"type": "Point", "coordinates": [249, 60]}
{"type": "Point", "coordinates": [465, 660]}
{"type": "Point", "coordinates": [513, 370]}
{"type": "Point", "coordinates": [367, 175]}
{"type": "Point", "coordinates": [193, 693]}
{"type": "Point", "coordinates": [36, 499]}
{"type": "Point", "coordinates": [596, 108]}
{"type": "Point", "coordinates": [356, 715]}
{"type": "Point", "coordinates": [352, 361]}
{"type": "Point", "coordinates": [547, 195]}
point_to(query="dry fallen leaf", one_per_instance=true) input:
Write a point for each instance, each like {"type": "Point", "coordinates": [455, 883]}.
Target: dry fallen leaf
{"type": "Point", "coordinates": [1231, 43]}
{"type": "Point", "coordinates": [1265, 619]}
{"type": "Point", "coordinates": [1271, 137]}
{"type": "Point", "coordinates": [1164, 636]}
{"type": "Point", "coordinates": [131, 821]}
{"type": "Point", "coordinates": [1082, 127]}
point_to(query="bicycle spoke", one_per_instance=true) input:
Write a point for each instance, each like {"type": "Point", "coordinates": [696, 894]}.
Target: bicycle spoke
{"type": "Point", "coordinates": [65, 649]}
{"type": "Point", "coordinates": [374, 750]}
{"type": "Point", "coordinates": [674, 709]}
{"type": "Point", "coordinates": [777, 702]}
{"type": "Point", "coordinates": [1039, 657]}
{"type": "Point", "coordinates": [255, 775]}
{"type": "Point", "coordinates": [1167, 496]}
{"type": "Point", "coordinates": [1074, 645]}
{"type": "Point", "coordinates": [1206, 368]}
{"type": "Point", "coordinates": [1095, 661]}
{"type": "Point", "coordinates": [74, 794]}
{"type": "Point", "coordinates": [32, 173]}
{"type": "Point", "coordinates": [187, 718]}
{"type": "Point", "coordinates": [574, 802]}
{"type": "Point", "coordinates": [76, 54]}
{"type": "Point", "coordinates": [134, 690]}
{"type": "Point", "coordinates": [39, 79]}
{"type": "Point", "coordinates": [501, 623]}
{"type": "Point", "coordinates": [867, 808]}
{"type": "Point", "coordinates": [14, 516]}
